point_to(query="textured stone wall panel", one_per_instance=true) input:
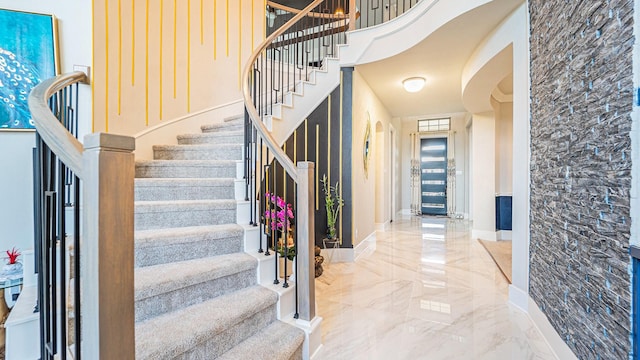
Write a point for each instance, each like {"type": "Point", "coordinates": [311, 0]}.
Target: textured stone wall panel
{"type": "Point", "coordinates": [581, 100]}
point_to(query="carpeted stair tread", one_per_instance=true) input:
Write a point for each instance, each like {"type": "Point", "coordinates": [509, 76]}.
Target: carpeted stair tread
{"type": "Point", "coordinates": [148, 189]}
{"type": "Point", "coordinates": [198, 152]}
{"type": "Point", "coordinates": [238, 118]}
{"type": "Point", "coordinates": [183, 213]}
{"type": "Point", "coordinates": [158, 279]}
{"type": "Point", "coordinates": [225, 126]}
{"type": "Point", "coordinates": [160, 246]}
{"type": "Point", "coordinates": [277, 341]}
{"type": "Point", "coordinates": [220, 137]}
{"type": "Point", "coordinates": [186, 168]}
{"type": "Point", "coordinates": [216, 325]}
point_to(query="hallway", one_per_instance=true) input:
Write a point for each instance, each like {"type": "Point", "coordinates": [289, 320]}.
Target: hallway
{"type": "Point", "coordinates": [426, 291]}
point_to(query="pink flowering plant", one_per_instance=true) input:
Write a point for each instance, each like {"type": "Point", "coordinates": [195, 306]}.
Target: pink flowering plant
{"type": "Point", "coordinates": [278, 217]}
{"type": "Point", "coordinates": [279, 213]}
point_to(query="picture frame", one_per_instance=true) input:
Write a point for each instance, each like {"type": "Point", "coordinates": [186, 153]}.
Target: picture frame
{"type": "Point", "coordinates": [366, 147]}
{"type": "Point", "coordinates": [28, 55]}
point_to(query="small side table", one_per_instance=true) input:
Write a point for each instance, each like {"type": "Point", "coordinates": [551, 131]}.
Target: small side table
{"type": "Point", "coordinates": [330, 244]}
{"type": "Point", "coordinates": [6, 282]}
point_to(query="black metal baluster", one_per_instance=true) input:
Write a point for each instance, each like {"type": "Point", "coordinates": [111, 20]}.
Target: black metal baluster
{"type": "Point", "coordinates": [255, 186]}
{"type": "Point", "coordinates": [75, 188]}
{"type": "Point", "coordinates": [295, 244]}
{"type": "Point", "coordinates": [246, 154]}
{"type": "Point", "coordinates": [262, 200]}
{"type": "Point", "coordinates": [76, 264]}
{"type": "Point", "coordinates": [273, 210]}
{"type": "Point", "coordinates": [61, 250]}
{"type": "Point", "coordinates": [267, 189]}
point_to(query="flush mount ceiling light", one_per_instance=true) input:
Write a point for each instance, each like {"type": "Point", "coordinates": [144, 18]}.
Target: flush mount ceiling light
{"type": "Point", "coordinates": [413, 84]}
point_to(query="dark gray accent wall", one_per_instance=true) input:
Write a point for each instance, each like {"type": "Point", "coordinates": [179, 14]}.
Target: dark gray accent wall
{"type": "Point", "coordinates": [333, 151]}
{"type": "Point", "coordinates": [581, 100]}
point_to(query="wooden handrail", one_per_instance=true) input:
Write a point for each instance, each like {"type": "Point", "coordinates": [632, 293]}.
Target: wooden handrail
{"type": "Point", "coordinates": [61, 142]}
{"type": "Point", "coordinates": [277, 6]}
{"type": "Point", "coordinates": [271, 143]}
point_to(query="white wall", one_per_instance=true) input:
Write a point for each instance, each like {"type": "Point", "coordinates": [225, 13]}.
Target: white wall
{"type": "Point", "coordinates": [504, 148]}
{"type": "Point", "coordinates": [16, 192]}
{"type": "Point", "coordinates": [512, 36]}
{"type": "Point", "coordinates": [366, 103]}
{"type": "Point", "coordinates": [458, 151]}
{"type": "Point", "coordinates": [483, 178]}
{"type": "Point", "coordinates": [381, 171]}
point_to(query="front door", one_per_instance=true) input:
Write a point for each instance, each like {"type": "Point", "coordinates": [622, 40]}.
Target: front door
{"type": "Point", "coordinates": [433, 177]}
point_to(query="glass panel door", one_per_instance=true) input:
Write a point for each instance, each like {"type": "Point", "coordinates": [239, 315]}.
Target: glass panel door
{"type": "Point", "coordinates": [433, 176]}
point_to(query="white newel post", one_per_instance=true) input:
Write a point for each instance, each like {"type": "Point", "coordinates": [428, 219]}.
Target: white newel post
{"type": "Point", "coordinates": [106, 257]}
{"type": "Point", "coordinates": [305, 277]}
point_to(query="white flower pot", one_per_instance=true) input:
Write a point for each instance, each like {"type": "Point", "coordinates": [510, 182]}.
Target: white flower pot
{"type": "Point", "coordinates": [12, 269]}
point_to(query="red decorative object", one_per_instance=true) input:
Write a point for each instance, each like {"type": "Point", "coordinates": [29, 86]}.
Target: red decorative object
{"type": "Point", "coordinates": [13, 255]}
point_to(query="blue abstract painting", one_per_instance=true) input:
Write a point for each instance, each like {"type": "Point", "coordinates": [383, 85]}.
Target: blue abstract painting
{"type": "Point", "coordinates": [27, 56]}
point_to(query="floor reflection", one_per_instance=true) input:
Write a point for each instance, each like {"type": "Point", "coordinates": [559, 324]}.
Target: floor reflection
{"type": "Point", "coordinates": [427, 291]}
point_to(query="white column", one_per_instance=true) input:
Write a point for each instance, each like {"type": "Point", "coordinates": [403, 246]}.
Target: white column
{"type": "Point", "coordinates": [519, 289]}
{"type": "Point", "coordinates": [483, 154]}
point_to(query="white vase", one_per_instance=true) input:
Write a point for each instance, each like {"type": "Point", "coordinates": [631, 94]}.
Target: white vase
{"type": "Point", "coordinates": [12, 269]}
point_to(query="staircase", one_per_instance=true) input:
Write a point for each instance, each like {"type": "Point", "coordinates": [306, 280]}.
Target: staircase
{"type": "Point", "coordinates": [196, 291]}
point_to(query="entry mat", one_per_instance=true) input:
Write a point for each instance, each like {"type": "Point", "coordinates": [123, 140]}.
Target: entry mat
{"type": "Point", "coordinates": [500, 252]}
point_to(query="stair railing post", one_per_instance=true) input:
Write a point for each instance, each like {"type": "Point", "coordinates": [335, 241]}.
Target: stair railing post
{"type": "Point", "coordinates": [306, 240]}
{"type": "Point", "coordinates": [106, 259]}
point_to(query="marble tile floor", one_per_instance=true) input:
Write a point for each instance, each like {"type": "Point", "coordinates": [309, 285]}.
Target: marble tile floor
{"type": "Point", "coordinates": [427, 291]}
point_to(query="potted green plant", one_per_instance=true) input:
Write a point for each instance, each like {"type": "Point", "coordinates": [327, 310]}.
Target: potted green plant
{"type": "Point", "coordinates": [333, 202]}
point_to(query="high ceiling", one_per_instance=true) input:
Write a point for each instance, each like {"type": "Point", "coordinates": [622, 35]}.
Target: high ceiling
{"type": "Point", "coordinates": [440, 59]}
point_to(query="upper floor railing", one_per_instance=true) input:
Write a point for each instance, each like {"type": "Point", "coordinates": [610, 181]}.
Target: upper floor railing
{"type": "Point", "coordinates": [366, 13]}
{"type": "Point", "coordinates": [85, 261]}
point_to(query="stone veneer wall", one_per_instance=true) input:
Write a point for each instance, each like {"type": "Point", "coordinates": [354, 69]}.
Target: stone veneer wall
{"type": "Point", "coordinates": [581, 100]}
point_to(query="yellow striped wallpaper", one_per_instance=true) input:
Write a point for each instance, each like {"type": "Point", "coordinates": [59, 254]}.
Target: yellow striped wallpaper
{"type": "Point", "coordinates": [160, 60]}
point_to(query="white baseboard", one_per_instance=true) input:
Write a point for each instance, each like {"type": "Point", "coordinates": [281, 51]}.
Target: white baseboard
{"type": "Point", "coordinates": [165, 132]}
{"type": "Point", "coordinates": [519, 298]}
{"type": "Point", "coordinates": [366, 246]}
{"type": "Point", "coordinates": [483, 234]}
{"type": "Point", "coordinates": [381, 226]}
{"type": "Point", "coordinates": [338, 255]}
{"type": "Point", "coordinates": [504, 235]}
{"type": "Point", "coordinates": [555, 342]}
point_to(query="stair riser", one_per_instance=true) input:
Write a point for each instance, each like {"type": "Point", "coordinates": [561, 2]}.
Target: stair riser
{"type": "Point", "coordinates": [188, 153]}
{"type": "Point", "coordinates": [222, 342]}
{"type": "Point", "coordinates": [181, 218]}
{"type": "Point", "coordinates": [198, 140]}
{"type": "Point", "coordinates": [160, 193]}
{"type": "Point", "coordinates": [186, 171]}
{"type": "Point", "coordinates": [185, 250]}
{"type": "Point", "coordinates": [298, 354]}
{"type": "Point", "coordinates": [175, 300]}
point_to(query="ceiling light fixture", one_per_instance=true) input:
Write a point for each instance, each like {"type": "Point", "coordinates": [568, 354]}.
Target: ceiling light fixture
{"type": "Point", "coordinates": [413, 84]}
